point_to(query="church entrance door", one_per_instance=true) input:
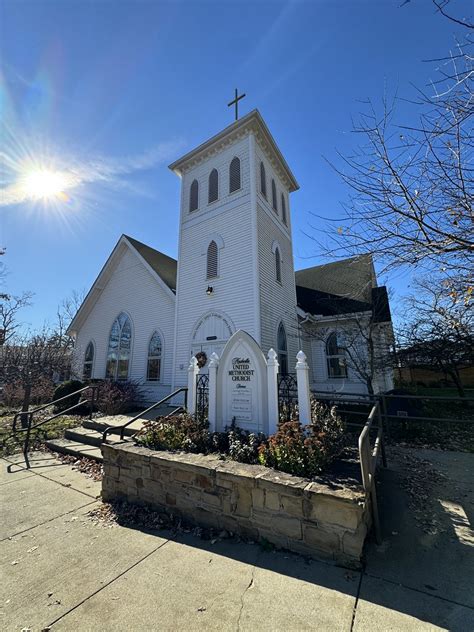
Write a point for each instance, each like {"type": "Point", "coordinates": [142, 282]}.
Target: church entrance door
{"type": "Point", "coordinates": [210, 334]}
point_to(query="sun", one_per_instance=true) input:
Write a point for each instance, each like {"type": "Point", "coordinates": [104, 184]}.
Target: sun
{"type": "Point", "coordinates": [45, 184]}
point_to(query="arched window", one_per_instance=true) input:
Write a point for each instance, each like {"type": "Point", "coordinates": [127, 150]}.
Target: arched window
{"type": "Point", "coordinates": [277, 265]}
{"type": "Point", "coordinates": [212, 260]}
{"type": "Point", "coordinates": [213, 193]}
{"type": "Point", "coordinates": [234, 175]}
{"type": "Point", "coordinates": [194, 196]}
{"type": "Point", "coordinates": [263, 180]}
{"type": "Point", "coordinates": [336, 359]}
{"type": "Point", "coordinates": [120, 344]}
{"type": "Point", "coordinates": [282, 348]}
{"type": "Point", "coordinates": [274, 196]}
{"type": "Point", "coordinates": [153, 371]}
{"type": "Point", "coordinates": [283, 209]}
{"type": "Point", "coordinates": [88, 361]}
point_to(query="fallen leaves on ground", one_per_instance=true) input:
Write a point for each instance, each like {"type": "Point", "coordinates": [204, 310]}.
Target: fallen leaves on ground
{"type": "Point", "coordinates": [92, 469]}
{"type": "Point", "coordinates": [420, 480]}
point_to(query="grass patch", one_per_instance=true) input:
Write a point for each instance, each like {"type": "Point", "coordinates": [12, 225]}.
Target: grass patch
{"type": "Point", "coordinates": [13, 443]}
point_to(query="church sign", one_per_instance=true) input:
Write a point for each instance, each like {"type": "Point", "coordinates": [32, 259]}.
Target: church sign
{"type": "Point", "coordinates": [241, 384]}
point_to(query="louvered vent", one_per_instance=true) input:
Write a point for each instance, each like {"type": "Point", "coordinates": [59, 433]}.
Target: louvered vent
{"type": "Point", "coordinates": [234, 175]}
{"type": "Point", "coordinates": [283, 209]}
{"type": "Point", "coordinates": [278, 265]}
{"type": "Point", "coordinates": [194, 196]}
{"type": "Point", "coordinates": [212, 255]}
{"type": "Point", "coordinates": [213, 186]}
{"type": "Point", "coordinates": [274, 196]}
{"type": "Point", "coordinates": [263, 180]}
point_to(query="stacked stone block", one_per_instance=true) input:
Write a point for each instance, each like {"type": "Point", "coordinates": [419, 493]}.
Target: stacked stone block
{"type": "Point", "coordinates": [254, 501]}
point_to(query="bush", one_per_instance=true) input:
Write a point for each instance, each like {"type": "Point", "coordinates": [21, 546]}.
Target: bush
{"type": "Point", "coordinates": [42, 391]}
{"type": "Point", "coordinates": [64, 389]}
{"type": "Point", "coordinates": [304, 451]}
{"type": "Point", "coordinates": [117, 398]}
{"type": "Point", "coordinates": [293, 449]}
{"type": "Point", "coordinates": [244, 445]}
{"type": "Point", "coordinates": [180, 432]}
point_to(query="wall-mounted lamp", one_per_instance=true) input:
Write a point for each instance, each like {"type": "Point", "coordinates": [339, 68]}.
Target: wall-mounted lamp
{"type": "Point", "coordinates": [209, 290]}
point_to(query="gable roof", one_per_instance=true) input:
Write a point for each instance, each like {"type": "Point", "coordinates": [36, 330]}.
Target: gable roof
{"type": "Point", "coordinates": [251, 122]}
{"type": "Point", "coordinates": [327, 304]}
{"type": "Point", "coordinates": [166, 267]}
{"type": "Point", "coordinates": [320, 303]}
{"type": "Point", "coordinates": [160, 265]}
{"type": "Point", "coordinates": [344, 287]}
{"type": "Point", "coordinates": [351, 278]}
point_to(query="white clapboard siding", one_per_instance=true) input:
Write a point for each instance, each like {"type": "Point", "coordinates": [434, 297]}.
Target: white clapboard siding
{"type": "Point", "coordinates": [230, 219]}
{"type": "Point", "coordinates": [133, 290]}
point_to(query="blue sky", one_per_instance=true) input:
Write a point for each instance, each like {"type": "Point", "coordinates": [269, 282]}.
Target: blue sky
{"type": "Point", "coordinates": [114, 91]}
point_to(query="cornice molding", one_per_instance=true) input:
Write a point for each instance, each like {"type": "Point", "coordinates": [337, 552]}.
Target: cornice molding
{"type": "Point", "coordinates": [252, 123]}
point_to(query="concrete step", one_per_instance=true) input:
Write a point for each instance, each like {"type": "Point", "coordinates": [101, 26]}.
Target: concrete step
{"type": "Point", "coordinates": [75, 448]}
{"type": "Point", "coordinates": [99, 426]}
{"type": "Point", "coordinates": [84, 435]}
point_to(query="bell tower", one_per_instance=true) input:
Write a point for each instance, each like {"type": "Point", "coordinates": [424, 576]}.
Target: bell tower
{"type": "Point", "coordinates": [235, 256]}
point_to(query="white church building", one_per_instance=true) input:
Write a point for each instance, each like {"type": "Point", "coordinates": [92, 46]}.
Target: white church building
{"type": "Point", "coordinates": [147, 314]}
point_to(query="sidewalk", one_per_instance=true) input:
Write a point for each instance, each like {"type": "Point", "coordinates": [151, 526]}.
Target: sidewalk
{"type": "Point", "coordinates": [61, 570]}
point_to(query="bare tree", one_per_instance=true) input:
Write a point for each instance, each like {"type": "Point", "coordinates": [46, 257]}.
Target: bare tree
{"type": "Point", "coordinates": [440, 334]}
{"type": "Point", "coordinates": [10, 306]}
{"type": "Point", "coordinates": [412, 184]}
{"type": "Point", "coordinates": [65, 312]}
{"type": "Point", "coordinates": [30, 361]}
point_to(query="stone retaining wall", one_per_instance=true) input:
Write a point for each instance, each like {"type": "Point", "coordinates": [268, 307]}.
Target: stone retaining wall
{"type": "Point", "coordinates": [252, 500]}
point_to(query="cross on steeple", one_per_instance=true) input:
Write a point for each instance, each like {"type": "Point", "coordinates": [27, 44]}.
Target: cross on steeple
{"type": "Point", "coordinates": [236, 103]}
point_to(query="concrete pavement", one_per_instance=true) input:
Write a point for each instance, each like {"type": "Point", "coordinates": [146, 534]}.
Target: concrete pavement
{"type": "Point", "coordinates": [61, 570]}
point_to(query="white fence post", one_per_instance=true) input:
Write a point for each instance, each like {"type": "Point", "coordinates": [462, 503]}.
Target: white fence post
{"type": "Point", "coordinates": [272, 382]}
{"type": "Point", "coordinates": [193, 371]}
{"type": "Point", "coordinates": [212, 410]}
{"type": "Point", "coordinates": [304, 395]}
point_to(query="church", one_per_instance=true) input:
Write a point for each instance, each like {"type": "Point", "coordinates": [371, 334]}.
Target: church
{"type": "Point", "coordinates": [147, 314]}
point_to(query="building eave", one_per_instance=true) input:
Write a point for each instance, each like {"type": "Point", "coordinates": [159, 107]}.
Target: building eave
{"type": "Point", "coordinates": [252, 122]}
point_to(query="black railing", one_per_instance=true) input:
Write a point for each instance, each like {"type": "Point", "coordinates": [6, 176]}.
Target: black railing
{"type": "Point", "coordinates": [202, 397]}
{"type": "Point", "coordinates": [27, 416]}
{"type": "Point", "coordinates": [121, 429]}
{"type": "Point", "coordinates": [287, 395]}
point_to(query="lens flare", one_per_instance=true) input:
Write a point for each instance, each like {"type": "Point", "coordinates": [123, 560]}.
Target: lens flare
{"type": "Point", "coordinates": [45, 184]}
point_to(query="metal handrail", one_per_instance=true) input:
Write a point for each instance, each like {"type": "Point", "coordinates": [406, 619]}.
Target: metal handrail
{"type": "Point", "coordinates": [368, 463]}
{"type": "Point", "coordinates": [110, 429]}
{"type": "Point", "coordinates": [55, 401]}
{"type": "Point", "coordinates": [30, 413]}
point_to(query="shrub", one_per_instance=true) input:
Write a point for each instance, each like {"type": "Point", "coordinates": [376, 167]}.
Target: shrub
{"type": "Point", "coordinates": [64, 389]}
{"type": "Point", "coordinates": [180, 432]}
{"type": "Point", "coordinates": [12, 394]}
{"type": "Point", "coordinates": [304, 451]}
{"type": "Point", "coordinates": [116, 398]}
{"type": "Point", "coordinates": [244, 445]}
{"type": "Point", "coordinates": [42, 391]}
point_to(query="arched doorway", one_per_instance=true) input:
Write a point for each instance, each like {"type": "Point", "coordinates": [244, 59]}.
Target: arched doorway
{"type": "Point", "coordinates": [210, 334]}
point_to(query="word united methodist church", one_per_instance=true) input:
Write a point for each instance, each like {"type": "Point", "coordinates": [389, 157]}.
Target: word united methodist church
{"type": "Point", "coordinates": [147, 314]}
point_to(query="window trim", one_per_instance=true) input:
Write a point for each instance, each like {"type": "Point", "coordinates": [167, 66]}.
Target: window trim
{"type": "Point", "coordinates": [329, 357]}
{"type": "Point", "coordinates": [161, 357]}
